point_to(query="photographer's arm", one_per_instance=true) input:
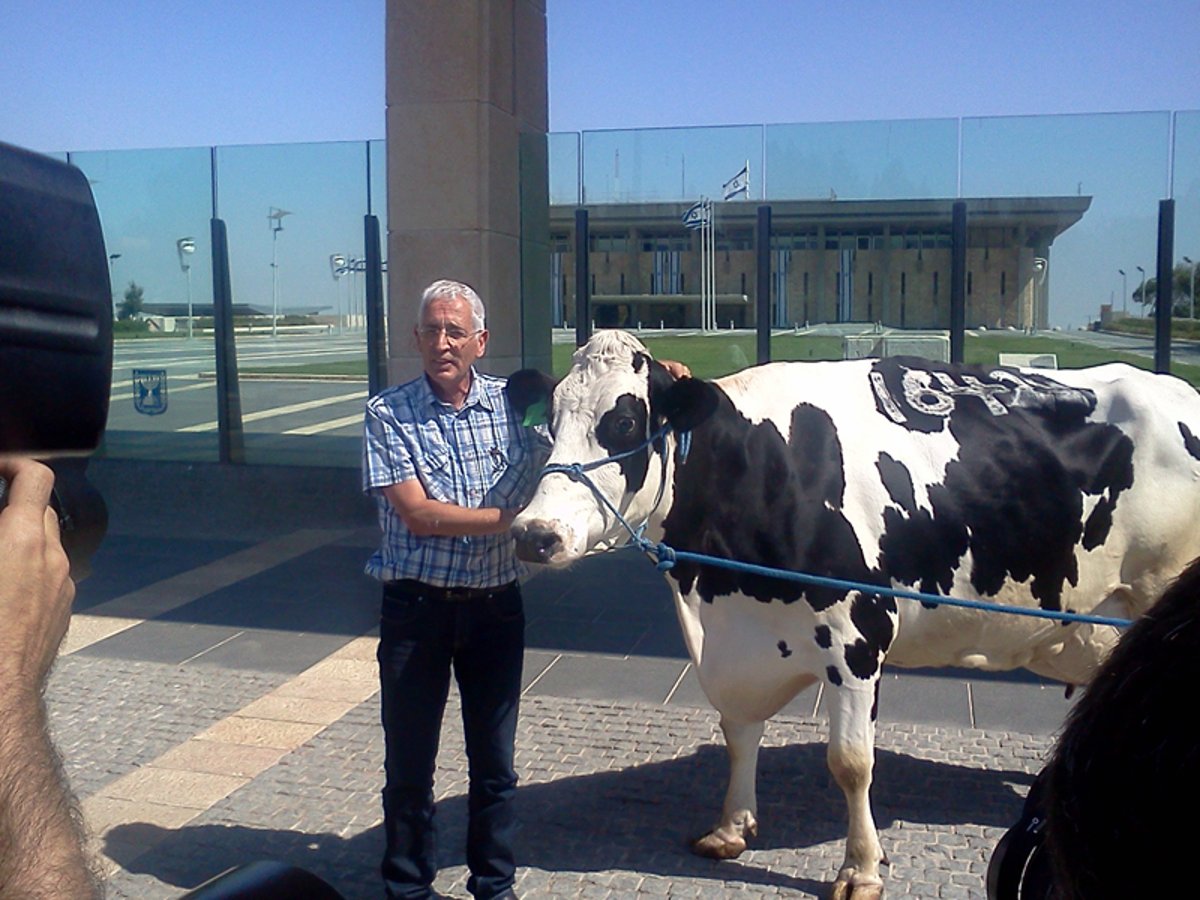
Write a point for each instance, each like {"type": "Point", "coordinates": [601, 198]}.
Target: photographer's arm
{"type": "Point", "coordinates": [41, 838]}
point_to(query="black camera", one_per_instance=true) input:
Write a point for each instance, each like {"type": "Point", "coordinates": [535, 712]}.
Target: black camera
{"type": "Point", "coordinates": [55, 334]}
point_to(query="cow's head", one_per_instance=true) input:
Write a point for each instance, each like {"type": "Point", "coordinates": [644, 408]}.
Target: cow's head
{"type": "Point", "coordinates": [613, 399]}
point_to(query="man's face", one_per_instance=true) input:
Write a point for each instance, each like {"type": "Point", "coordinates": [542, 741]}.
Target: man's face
{"type": "Point", "coordinates": [448, 342]}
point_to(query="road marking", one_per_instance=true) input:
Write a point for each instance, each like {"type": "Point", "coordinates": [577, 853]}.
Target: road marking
{"type": "Point", "coordinates": [281, 411]}
{"type": "Point", "coordinates": [331, 425]}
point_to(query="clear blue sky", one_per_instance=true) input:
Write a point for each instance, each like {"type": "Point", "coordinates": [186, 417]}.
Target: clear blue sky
{"type": "Point", "coordinates": [120, 74]}
{"type": "Point", "coordinates": [124, 74]}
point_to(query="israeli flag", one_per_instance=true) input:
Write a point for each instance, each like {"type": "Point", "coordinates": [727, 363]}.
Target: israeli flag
{"type": "Point", "coordinates": [695, 217]}
{"type": "Point", "coordinates": [738, 184]}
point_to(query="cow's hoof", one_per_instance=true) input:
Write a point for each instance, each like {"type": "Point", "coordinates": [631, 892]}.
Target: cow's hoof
{"type": "Point", "coordinates": [852, 886]}
{"type": "Point", "coordinates": [715, 845]}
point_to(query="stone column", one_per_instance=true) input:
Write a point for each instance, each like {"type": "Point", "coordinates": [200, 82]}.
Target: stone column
{"type": "Point", "coordinates": [468, 194]}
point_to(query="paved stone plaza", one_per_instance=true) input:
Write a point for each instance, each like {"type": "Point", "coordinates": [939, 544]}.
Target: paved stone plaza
{"type": "Point", "coordinates": [216, 704]}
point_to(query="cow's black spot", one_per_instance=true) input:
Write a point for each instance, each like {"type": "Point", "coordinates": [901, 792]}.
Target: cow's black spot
{"type": "Point", "coordinates": [834, 676]}
{"type": "Point", "coordinates": [898, 482]}
{"type": "Point", "coordinates": [1190, 441]}
{"type": "Point", "coordinates": [783, 649]}
{"type": "Point", "coordinates": [622, 428]}
{"type": "Point", "coordinates": [872, 616]}
{"type": "Point", "coordinates": [824, 637]}
{"type": "Point", "coordinates": [1014, 493]}
{"type": "Point", "coordinates": [747, 494]}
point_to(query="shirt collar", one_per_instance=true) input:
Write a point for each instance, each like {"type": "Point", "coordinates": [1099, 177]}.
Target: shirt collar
{"type": "Point", "coordinates": [476, 395]}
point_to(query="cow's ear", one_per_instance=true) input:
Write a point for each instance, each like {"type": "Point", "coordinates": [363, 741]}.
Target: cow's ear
{"type": "Point", "coordinates": [660, 379]}
{"type": "Point", "coordinates": [530, 392]}
{"type": "Point", "coordinates": [687, 403]}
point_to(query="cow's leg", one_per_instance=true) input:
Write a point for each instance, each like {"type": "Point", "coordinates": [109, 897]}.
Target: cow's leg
{"type": "Point", "coordinates": [728, 839]}
{"type": "Point", "coordinates": [851, 759]}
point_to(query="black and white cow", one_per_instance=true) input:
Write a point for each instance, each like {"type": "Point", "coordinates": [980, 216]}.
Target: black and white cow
{"type": "Point", "coordinates": [1077, 491]}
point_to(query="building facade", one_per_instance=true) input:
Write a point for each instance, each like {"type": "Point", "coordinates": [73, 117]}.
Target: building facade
{"type": "Point", "coordinates": [869, 261]}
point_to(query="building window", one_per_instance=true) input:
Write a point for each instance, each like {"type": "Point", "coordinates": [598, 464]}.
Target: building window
{"type": "Point", "coordinates": [935, 284]}
{"type": "Point", "coordinates": [1002, 283]}
{"type": "Point", "coordinates": [903, 283]}
{"type": "Point", "coordinates": [735, 239]}
{"type": "Point", "coordinates": [870, 283]}
{"type": "Point", "coordinates": [805, 287]}
{"type": "Point", "coordinates": [969, 284]}
{"type": "Point", "coordinates": [609, 243]}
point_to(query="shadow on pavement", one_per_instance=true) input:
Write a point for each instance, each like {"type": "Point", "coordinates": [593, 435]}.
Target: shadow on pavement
{"type": "Point", "coordinates": [638, 819]}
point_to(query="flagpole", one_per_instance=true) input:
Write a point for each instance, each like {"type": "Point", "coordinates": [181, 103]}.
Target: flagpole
{"type": "Point", "coordinates": [712, 269]}
{"type": "Point", "coordinates": [703, 264]}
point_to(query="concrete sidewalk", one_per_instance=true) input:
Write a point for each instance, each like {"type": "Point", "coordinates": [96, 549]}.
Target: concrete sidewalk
{"type": "Point", "coordinates": [216, 704]}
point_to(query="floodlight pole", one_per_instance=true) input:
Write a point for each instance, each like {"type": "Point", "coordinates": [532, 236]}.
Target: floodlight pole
{"type": "Point", "coordinates": [1124, 293]}
{"type": "Point", "coordinates": [1142, 290]}
{"type": "Point", "coordinates": [275, 220]}
{"type": "Point", "coordinates": [186, 246]}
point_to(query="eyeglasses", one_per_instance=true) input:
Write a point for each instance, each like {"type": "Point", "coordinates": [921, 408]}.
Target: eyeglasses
{"type": "Point", "coordinates": [455, 336]}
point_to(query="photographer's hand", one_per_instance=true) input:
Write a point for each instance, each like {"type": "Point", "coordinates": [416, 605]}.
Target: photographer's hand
{"type": "Point", "coordinates": [41, 838]}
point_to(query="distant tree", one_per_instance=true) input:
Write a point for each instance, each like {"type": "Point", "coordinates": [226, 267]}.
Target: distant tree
{"type": "Point", "coordinates": [1181, 299]}
{"type": "Point", "coordinates": [131, 306]}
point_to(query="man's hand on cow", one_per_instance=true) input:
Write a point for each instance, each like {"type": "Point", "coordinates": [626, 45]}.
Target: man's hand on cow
{"type": "Point", "coordinates": [676, 369]}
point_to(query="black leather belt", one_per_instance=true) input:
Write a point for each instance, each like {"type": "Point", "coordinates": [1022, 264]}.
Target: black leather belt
{"type": "Point", "coordinates": [445, 594]}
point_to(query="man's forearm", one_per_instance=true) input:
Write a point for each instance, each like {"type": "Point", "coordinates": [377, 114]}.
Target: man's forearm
{"type": "Point", "coordinates": [426, 517]}
{"type": "Point", "coordinates": [41, 833]}
{"type": "Point", "coordinates": [449, 520]}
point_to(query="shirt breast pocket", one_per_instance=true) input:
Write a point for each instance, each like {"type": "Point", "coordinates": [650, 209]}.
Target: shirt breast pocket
{"type": "Point", "coordinates": [508, 476]}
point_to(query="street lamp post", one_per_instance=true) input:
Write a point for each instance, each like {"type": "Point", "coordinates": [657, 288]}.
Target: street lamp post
{"type": "Point", "coordinates": [112, 278]}
{"type": "Point", "coordinates": [1124, 293]}
{"type": "Point", "coordinates": [1041, 266]}
{"type": "Point", "coordinates": [337, 267]}
{"type": "Point", "coordinates": [1143, 288]}
{"type": "Point", "coordinates": [1192, 290]}
{"type": "Point", "coordinates": [275, 220]}
{"type": "Point", "coordinates": [186, 246]}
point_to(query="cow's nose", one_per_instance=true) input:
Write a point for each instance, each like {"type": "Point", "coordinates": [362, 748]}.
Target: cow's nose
{"type": "Point", "coordinates": [537, 542]}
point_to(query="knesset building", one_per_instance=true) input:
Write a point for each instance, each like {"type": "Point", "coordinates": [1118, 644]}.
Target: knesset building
{"type": "Point", "coordinates": [869, 261]}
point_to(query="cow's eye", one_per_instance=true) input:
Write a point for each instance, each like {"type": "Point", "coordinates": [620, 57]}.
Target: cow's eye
{"type": "Point", "coordinates": [625, 426]}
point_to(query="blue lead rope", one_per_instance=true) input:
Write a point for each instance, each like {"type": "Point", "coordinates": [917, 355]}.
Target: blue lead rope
{"type": "Point", "coordinates": [667, 556]}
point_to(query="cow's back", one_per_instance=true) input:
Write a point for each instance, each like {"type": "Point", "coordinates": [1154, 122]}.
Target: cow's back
{"type": "Point", "coordinates": [1073, 490]}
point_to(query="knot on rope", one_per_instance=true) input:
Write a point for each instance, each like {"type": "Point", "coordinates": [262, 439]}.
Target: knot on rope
{"type": "Point", "coordinates": [666, 558]}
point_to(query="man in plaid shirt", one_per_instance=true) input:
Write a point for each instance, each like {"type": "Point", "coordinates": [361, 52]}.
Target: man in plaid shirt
{"type": "Point", "coordinates": [450, 467]}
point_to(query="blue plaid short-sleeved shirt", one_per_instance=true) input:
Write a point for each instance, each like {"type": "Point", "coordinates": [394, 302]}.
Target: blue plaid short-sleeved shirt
{"type": "Point", "coordinates": [477, 456]}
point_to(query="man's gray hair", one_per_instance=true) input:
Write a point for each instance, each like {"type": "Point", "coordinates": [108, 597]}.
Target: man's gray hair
{"type": "Point", "coordinates": [452, 290]}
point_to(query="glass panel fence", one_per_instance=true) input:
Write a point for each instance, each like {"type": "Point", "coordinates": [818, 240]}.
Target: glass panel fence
{"type": "Point", "coordinates": [903, 159]}
{"type": "Point", "coordinates": [379, 208]}
{"type": "Point", "coordinates": [1062, 230]}
{"type": "Point", "coordinates": [154, 208]}
{"type": "Point", "coordinates": [668, 164]}
{"type": "Point", "coordinates": [564, 168]}
{"type": "Point", "coordinates": [295, 221]}
{"type": "Point", "coordinates": [1187, 212]}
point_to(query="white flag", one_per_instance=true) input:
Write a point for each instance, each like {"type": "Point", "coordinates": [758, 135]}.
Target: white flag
{"type": "Point", "coordinates": [738, 184]}
{"type": "Point", "coordinates": [696, 216]}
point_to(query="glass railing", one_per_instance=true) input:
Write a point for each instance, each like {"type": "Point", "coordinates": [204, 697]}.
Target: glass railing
{"type": "Point", "coordinates": [1063, 233]}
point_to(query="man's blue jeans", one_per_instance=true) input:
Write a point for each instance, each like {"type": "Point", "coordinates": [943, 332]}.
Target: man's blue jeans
{"type": "Point", "coordinates": [420, 638]}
